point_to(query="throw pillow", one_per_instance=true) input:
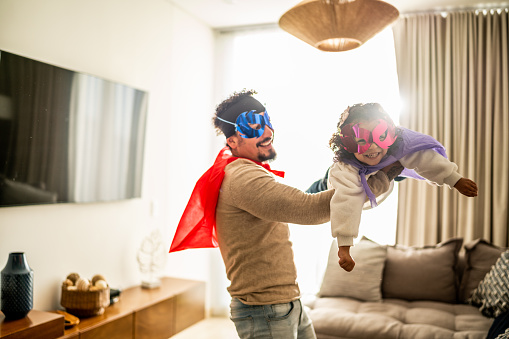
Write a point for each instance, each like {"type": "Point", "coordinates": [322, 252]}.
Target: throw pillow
{"type": "Point", "coordinates": [480, 256]}
{"type": "Point", "coordinates": [492, 294]}
{"type": "Point", "coordinates": [364, 281]}
{"type": "Point", "coordinates": [422, 273]}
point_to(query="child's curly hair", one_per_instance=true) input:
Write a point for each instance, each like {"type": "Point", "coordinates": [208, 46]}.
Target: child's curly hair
{"type": "Point", "coordinates": [356, 113]}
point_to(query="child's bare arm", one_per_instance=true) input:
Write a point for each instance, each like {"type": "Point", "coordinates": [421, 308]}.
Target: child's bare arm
{"type": "Point", "coordinates": [345, 259]}
{"type": "Point", "coordinates": [466, 187]}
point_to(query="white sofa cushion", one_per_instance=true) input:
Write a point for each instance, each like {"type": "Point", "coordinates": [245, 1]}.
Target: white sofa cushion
{"type": "Point", "coordinates": [364, 282]}
{"type": "Point", "coordinates": [348, 318]}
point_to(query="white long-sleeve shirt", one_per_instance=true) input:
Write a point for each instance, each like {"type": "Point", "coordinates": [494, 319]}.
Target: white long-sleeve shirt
{"type": "Point", "coordinates": [349, 196]}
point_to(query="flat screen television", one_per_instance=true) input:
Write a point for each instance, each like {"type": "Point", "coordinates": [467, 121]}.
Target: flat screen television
{"type": "Point", "coordinates": [66, 136]}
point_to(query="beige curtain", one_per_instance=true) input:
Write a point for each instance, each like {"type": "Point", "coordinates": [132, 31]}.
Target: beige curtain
{"type": "Point", "coordinates": [453, 71]}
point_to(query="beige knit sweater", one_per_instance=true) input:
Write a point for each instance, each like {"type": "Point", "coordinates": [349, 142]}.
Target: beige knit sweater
{"type": "Point", "coordinates": [252, 213]}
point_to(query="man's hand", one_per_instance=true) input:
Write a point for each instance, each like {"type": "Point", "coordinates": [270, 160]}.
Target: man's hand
{"type": "Point", "coordinates": [380, 182]}
{"type": "Point", "coordinates": [345, 260]}
{"type": "Point", "coordinates": [393, 170]}
{"type": "Point", "coordinates": [466, 187]}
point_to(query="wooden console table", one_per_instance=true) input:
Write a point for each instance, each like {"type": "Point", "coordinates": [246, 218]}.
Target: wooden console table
{"type": "Point", "coordinates": [146, 313]}
{"type": "Point", "coordinates": [37, 324]}
{"type": "Point", "coordinates": [140, 313]}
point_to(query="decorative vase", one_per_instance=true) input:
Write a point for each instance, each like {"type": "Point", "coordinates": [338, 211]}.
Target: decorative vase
{"type": "Point", "coordinates": [152, 259]}
{"type": "Point", "coordinates": [17, 287]}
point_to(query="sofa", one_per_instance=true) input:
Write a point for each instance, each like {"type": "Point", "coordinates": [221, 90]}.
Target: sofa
{"type": "Point", "coordinates": [408, 292]}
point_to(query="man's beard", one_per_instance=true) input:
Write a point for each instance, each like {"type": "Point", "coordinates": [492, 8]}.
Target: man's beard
{"type": "Point", "coordinates": [269, 157]}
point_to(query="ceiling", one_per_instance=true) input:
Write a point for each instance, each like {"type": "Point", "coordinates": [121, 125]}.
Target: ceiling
{"type": "Point", "coordinates": [236, 13]}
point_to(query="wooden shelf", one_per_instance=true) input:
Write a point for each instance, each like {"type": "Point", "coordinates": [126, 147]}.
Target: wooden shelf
{"type": "Point", "coordinates": [37, 324]}
{"type": "Point", "coordinates": [147, 313]}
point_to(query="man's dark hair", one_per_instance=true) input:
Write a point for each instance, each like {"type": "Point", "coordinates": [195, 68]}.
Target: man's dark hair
{"type": "Point", "coordinates": [224, 127]}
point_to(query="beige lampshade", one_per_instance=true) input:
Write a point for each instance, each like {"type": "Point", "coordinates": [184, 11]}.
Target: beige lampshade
{"type": "Point", "coordinates": [337, 25]}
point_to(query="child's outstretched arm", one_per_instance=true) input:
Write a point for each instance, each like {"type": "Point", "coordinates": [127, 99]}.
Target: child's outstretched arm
{"type": "Point", "coordinates": [439, 170]}
{"type": "Point", "coordinates": [347, 202]}
{"type": "Point", "coordinates": [466, 187]}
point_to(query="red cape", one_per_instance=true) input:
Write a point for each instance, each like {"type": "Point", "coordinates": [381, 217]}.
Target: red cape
{"type": "Point", "coordinates": [197, 226]}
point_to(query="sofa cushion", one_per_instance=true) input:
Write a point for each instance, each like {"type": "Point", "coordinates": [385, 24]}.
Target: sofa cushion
{"type": "Point", "coordinates": [492, 294]}
{"type": "Point", "coordinates": [364, 281]}
{"type": "Point", "coordinates": [480, 256]}
{"type": "Point", "coordinates": [392, 318]}
{"type": "Point", "coordinates": [422, 273]}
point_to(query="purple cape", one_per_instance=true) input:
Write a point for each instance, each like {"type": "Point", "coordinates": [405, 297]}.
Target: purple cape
{"type": "Point", "coordinates": [411, 142]}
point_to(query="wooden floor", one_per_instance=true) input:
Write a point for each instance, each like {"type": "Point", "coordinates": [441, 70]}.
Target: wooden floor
{"type": "Point", "coordinates": [210, 328]}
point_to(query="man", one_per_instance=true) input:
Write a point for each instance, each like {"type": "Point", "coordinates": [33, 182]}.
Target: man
{"type": "Point", "coordinates": [251, 218]}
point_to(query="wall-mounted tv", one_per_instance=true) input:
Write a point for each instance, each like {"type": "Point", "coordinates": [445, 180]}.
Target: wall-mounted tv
{"type": "Point", "coordinates": [66, 136]}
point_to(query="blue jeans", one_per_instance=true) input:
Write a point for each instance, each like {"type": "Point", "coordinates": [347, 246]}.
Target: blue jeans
{"type": "Point", "coordinates": [278, 321]}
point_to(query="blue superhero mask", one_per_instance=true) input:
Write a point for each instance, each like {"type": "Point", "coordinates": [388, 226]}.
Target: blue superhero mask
{"type": "Point", "coordinates": [250, 124]}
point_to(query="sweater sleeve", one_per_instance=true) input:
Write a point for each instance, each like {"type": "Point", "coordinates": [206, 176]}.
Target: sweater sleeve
{"type": "Point", "coordinates": [346, 203]}
{"type": "Point", "coordinates": [433, 167]}
{"type": "Point", "coordinates": [256, 191]}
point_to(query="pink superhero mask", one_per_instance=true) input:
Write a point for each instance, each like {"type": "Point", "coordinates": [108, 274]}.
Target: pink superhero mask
{"type": "Point", "coordinates": [356, 139]}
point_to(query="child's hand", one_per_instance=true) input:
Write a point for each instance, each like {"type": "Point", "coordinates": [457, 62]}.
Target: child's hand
{"type": "Point", "coordinates": [466, 187]}
{"type": "Point", "coordinates": [345, 260]}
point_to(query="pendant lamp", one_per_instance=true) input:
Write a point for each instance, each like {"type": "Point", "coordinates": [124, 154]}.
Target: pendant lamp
{"type": "Point", "coordinates": [337, 25]}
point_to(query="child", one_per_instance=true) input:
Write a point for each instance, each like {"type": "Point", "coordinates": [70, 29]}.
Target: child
{"type": "Point", "coordinates": [367, 141]}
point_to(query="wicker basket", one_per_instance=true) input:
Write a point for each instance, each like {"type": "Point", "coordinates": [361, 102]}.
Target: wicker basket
{"type": "Point", "coordinates": [85, 303]}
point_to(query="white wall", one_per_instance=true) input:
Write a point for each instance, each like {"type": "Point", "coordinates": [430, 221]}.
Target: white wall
{"type": "Point", "coordinates": [147, 44]}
